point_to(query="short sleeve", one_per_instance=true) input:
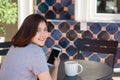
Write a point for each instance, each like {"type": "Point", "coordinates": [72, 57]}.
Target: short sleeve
{"type": "Point", "coordinates": [38, 62]}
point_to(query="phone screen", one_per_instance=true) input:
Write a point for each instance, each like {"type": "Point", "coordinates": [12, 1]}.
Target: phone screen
{"type": "Point", "coordinates": [52, 56]}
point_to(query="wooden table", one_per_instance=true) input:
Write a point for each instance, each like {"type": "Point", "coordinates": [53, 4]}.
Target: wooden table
{"type": "Point", "coordinates": [92, 71]}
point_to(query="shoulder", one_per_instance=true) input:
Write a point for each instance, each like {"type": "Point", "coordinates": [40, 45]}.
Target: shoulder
{"type": "Point", "coordinates": [32, 48]}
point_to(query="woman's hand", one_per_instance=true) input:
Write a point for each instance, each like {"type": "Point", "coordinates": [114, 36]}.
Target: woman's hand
{"type": "Point", "coordinates": [56, 62]}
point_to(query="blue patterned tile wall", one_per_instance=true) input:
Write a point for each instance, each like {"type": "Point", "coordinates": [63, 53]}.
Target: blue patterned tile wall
{"type": "Point", "coordinates": [64, 32]}
{"type": "Point", "coordinates": [56, 9]}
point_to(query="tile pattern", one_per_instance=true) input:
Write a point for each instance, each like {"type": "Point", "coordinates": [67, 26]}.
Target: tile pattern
{"type": "Point", "coordinates": [56, 9]}
{"type": "Point", "coordinates": [64, 32]}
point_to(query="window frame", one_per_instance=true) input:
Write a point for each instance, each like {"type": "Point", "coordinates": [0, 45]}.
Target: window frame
{"type": "Point", "coordinates": [86, 10]}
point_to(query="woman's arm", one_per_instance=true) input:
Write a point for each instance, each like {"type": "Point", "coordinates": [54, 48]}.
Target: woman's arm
{"type": "Point", "coordinates": [54, 73]}
{"type": "Point", "coordinates": [46, 75]}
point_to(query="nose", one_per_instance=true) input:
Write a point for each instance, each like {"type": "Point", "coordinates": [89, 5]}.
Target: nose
{"type": "Point", "coordinates": [44, 34]}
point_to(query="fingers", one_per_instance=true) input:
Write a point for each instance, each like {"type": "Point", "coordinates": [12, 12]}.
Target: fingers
{"type": "Point", "coordinates": [57, 58]}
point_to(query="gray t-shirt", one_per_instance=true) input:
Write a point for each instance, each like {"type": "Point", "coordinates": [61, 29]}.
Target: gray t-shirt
{"type": "Point", "coordinates": [23, 63]}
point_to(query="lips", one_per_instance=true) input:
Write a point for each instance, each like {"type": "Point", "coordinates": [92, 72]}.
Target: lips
{"type": "Point", "coordinates": [41, 39]}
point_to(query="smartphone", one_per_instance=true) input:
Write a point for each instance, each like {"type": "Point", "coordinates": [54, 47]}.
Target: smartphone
{"type": "Point", "coordinates": [54, 53]}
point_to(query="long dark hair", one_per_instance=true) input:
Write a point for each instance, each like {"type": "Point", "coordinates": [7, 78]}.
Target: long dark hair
{"type": "Point", "coordinates": [27, 30]}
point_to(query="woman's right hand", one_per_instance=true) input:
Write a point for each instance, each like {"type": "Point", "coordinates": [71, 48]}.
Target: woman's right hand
{"type": "Point", "coordinates": [56, 62]}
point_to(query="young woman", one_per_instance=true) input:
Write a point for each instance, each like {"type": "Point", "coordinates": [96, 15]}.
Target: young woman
{"type": "Point", "coordinates": [26, 60]}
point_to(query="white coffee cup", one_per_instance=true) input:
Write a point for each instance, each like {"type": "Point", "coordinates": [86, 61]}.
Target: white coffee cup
{"type": "Point", "coordinates": [71, 68]}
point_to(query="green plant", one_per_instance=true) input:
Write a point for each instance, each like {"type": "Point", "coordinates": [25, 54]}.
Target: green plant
{"type": "Point", "coordinates": [8, 13]}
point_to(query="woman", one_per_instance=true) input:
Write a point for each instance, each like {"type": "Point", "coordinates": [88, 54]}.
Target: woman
{"type": "Point", "coordinates": [25, 59]}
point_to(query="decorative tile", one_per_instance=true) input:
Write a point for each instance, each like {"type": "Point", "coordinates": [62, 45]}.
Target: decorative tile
{"type": "Point", "coordinates": [66, 2]}
{"type": "Point", "coordinates": [118, 61]}
{"type": "Point", "coordinates": [72, 17]}
{"type": "Point", "coordinates": [118, 28]}
{"type": "Point", "coordinates": [50, 15]}
{"type": "Point", "coordinates": [108, 60]}
{"type": "Point", "coordinates": [103, 28]}
{"type": "Point", "coordinates": [71, 9]}
{"type": "Point", "coordinates": [71, 35]}
{"type": "Point", "coordinates": [87, 34]}
{"type": "Point", "coordinates": [56, 34]}
{"type": "Point", "coordinates": [63, 42]}
{"type": "Point", "coordinates": [73, 1]}
{"type": "Point", "coordinates": [63, 34]}
{"type": "Point", "coordinates": [37, 12]}
{"type": "Point", "coordinates": [86, 58]}
{"type": "Point", "coordinates": [94, 57]}
{"type": "Point", "coordinates": [95, 28]}
{"type": "Point", "coordinates": [65, 15]}
{"type": "Point", "coordinates": [71, 22]}
{"type": "Point", "coordinates": [49, 49]}
{"type": "Point", "coordinates": [71, 57]}
{"type": "Point", "coordinates": [50, 26]}
{"type": "Point", "coordinates": [117, 36]}
{"type": "Point", "coordinates": [42, 0]}
{"type": "Point", "coordinates": [43, 7]}
{"type": "Point", "coordinates": [35, 7]}
{"type": "Point", "coordinates": [77, 27]}
{"type": "Point", "coordinates": [71, 28]}
{"type": "Point", "coordinates": [64, 51]}
{"type": "Point", "coordinates": [89, 23]}
{"type": "Point", "coordinates": [56, 22]}
{"type": "Point", "coordinates": [64, 56]}
{"type": "Point", "coordinates": [103, 35]}
{"type": "Point", "coordinates": [64, 27]}
{"type": "Point", "coordinates": [71, 50]}
{"type": "Point", "coordinates": [86, 54]}
{"type": "Point", "coordinates": [50, 2]}
{"type": "Point", "coordinates": [94, 36]}
{"type": "Point", "coordinates": [57, 46]}
{"type": "Point", "coordinates": [49, 42]}
{"type": "Point", "coordinates": [45, 50]}
{"type": "Point", "coordinates": [118, 54]}
{"type": "Point", "coordinates": [102, 55]}
{"type": "Point", "coordinates": [65, 8]}
{"type": "Point", "coordinates": [56, 26]}
{"type": "Point", "coordinates": [102, 60]}
{"type": "Point", "coordinates": [58, 1]}
{"type": "Point", "coordinates": [38, 1]}
{"type": "Point", "coordinates": [79, 35]}
{"type": "Point", "coordinates": [117, 66]}
{"type": "Point", "coordinates": [57, 16]}
{"type": "Point", "coordinates": [118, 24]}
{"type": "Point", "coordinates": [104, 24]}
{"type": "Point", "coordinates": [79, 56]}
{"type": "Point", "coordinates": [112, 28]}
{"type": "Point", "coordinates": [56, 42]}
{"type": "Point", "coordinates": [112, 37]}
{"type": "Point", "coordinates": [71, 43]}
{"type": "Point", "coordinates": [118, 45]}
{"type": "Point", "coordinates": [58, 8]}
{"type": "Point", "coordinates": [50, 8]}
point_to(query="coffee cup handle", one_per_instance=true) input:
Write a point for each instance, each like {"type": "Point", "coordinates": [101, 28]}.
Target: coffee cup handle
{"type": "Point", "coordinates": [81, 68]}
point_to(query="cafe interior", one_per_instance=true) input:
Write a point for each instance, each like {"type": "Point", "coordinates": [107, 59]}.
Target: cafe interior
{"type": "Point", "coordinates": [70, 21]}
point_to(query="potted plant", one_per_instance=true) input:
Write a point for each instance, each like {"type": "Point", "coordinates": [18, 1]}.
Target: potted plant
{"type": "Point", "coordinates": [8, 14]}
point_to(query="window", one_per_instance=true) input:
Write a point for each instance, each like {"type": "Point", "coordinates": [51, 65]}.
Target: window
{"type": "Point", "coordinates": [88, 10]}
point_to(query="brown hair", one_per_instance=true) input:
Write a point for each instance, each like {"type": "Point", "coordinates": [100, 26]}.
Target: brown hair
{"type": "Point", "coordinates": [27, 30]}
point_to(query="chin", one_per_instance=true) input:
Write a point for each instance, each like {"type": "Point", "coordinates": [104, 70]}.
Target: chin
{"type": "Point", "coordinates": [42, 44]}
